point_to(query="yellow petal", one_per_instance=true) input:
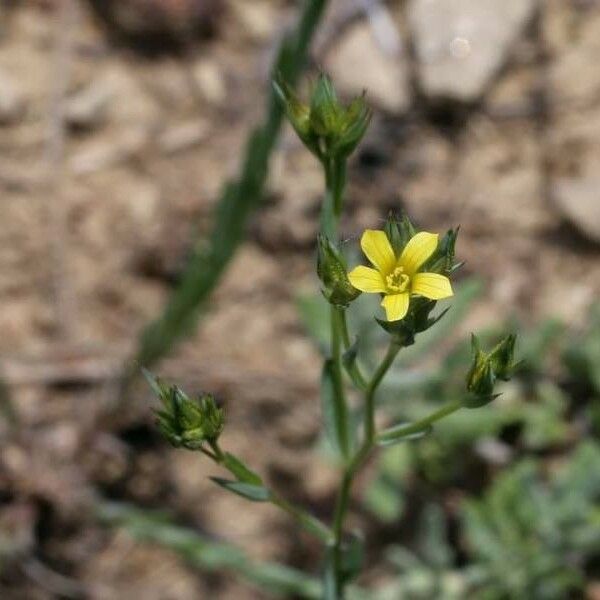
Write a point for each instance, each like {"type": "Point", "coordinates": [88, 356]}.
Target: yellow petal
{"type": "Point", "coordinates": [431, 285]}
{"type": "Point", "coordinates": [419, 248]}
{"type": "Point", "coordinates": [377, 248]}
{"type": "Point", "coordinates": [396, 306]}
{"type": "Point", "coordinates": [366, 279]}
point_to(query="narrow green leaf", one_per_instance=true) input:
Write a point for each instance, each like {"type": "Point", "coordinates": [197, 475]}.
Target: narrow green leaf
{"type": "Point", "coordinates": [152, 381]}
{"type": "Point", "coordinates": [402, 433]}
{"type": "Point", "coordinates": [240, 470]}
{"type": "Point", "coordinates": [255, 493]}
{"type": "Point", "coordinates": [238, 201]}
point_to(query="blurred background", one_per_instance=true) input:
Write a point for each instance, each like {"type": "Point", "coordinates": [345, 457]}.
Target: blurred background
{"type": "Point", "coordinates": [120, 122]}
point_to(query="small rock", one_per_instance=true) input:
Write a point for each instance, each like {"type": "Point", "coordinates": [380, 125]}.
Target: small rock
{"type": "Point", "coordinates": [88, 108]}
{"type": "Point", "coordinates": [577, 200]}
{"type": "Point", "coordinates": [140, 19]}
{"type": "Point", "coordinates": [12, 100]}
{"type": "Point", "coordinates": [209, 80]}
{"type": "Point", "coordinates": [99, 155]}
{"type": "Point", "coordinates": [358, 62]}
{"type": "Point", "coordinates": [257, 18]}
{"type": "Point", "coordinates": [461, 44]}
{"type": "Point", "coordinates": [183, 136]}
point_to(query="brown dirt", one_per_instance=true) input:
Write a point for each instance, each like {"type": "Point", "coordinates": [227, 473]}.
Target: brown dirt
{"type": "Point", "coordinates": [94, 235]}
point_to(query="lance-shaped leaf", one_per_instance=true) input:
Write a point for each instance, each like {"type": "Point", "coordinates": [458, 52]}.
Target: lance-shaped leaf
{"type": "Point", "coordinates": [255, 493]}
{"type": "Point", "coordinates": [402, 433]}
{"type": "Point", "coordinates": [244, 474]}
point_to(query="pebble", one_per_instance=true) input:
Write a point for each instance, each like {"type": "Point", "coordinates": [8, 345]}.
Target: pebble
{"type": "Point", "coordinates": [183, 136]}
{"type": "Point", "coordinates": [210, 81]}
{"type": "Point", "coordinates": [462, 44]}
{"type": "Point", "coordinates": [577, 201]}
{"type": "Point", "coordinates": [12, 100]}
{"type": "Point", "coordinates": [88, 108]}
{"type": "Point", "coordinates": [359, 62]}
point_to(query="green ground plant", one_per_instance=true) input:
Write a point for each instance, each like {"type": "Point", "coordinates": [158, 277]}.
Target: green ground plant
{"type": "Point", "coordinates": [411, 272]}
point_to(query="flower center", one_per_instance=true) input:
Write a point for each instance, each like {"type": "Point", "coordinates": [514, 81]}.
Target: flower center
{"type": "Point", "coordinates": [397, 281]}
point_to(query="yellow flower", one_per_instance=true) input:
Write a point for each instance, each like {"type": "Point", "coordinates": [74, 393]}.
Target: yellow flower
{"type": "Point", "coordinates": [397, 278]}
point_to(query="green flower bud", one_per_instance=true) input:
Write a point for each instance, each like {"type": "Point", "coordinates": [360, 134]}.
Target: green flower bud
{"type": "Point", "coordinates": [352, 128]}
{"type": "Point", "coordinates": [502, 357]}
{"type": "Point", "coordinates": [326, 113]}
{"type": "Point", "coordinates": [328, 129]}
{"type": "Point", "coordinates": [297, 113]}
{"type": "Point", "coordinates": [442, 260]}
{"type": "Point", "coordinates": [332, 271]}
{"type": "Point", "coordinates": [186, 422]}
{"type": "Point", "coordinates": [486, 368]}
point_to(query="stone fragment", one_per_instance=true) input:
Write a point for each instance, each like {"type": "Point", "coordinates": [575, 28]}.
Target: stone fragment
{"type": "Point", "coordinates": [105, 153]}
{"type": "Point", "coordinates": [210, 81]}
{"type": "Point", "coordinates": [359, 63]}
{"type": "Point", "coordinates": [88, 108]}
{"type": "Point", "coordinates": [258, 18]}
{"type": "Point", "coordinates": [183, 136]}
{"type": "Point", "coordinates": [12, 100]}
{"type": "Point", "coordinates": [578, 201]}
{"type": "Point", "coordinates": [462, 44]}
{"type": "Point", "coordinates": [159, 18]}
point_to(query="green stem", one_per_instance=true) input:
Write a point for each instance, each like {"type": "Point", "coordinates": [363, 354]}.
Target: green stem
{"type": "Point", "coordinates": [306, 520]}
{"type": "Point", "coordinates": [385, 364]}
{"type": "Point", "coordinates": [219, 454]}
{"type": "Point", "coordinates": [338, 381]}
{"type": "Point", "coordinates": [337, 177]}
{"type": "Point", "coordinates": [354, 371]}
{"type": "Point", "coordinates": [335, 183]}
{"type": "Point", "coordinates": [348, 477]}
{"type": "Point", "coordinates": [418, 426]}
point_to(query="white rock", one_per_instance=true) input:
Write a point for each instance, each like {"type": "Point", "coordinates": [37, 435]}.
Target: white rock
{"type": "Point", "coordinates": [210, 80]}
{"type": "Point", "coordinates": [358, 62]}
{"type": "Point", "coordinates": [578, 201]}
{"type": "Point", "coordinates": [183, 136]}
{"type": "Point", "coordinates": [12, 100]}
{"type": "Point", "coordinates": [461, 44]}
{"type": "Point", "coordinates": [88, 108]}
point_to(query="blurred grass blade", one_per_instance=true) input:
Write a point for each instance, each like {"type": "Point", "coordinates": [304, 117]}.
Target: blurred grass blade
{"type": "Point", "coordinates": [272, 578]}
{"type": "Point", "coordinates": [239, 199]}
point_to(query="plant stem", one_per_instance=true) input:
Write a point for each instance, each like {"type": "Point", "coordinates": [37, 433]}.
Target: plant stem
{"type": "Point", "coordinates": [335, 183]}
{"type": "Point", "coordinates": [338, 381]}
{"type": "Point", "coordinates": [354, 371]}
{"type": "Point", "coordinates": [306, 520]}
{"type": "Point", "coordinates": [348, 477]}
{"type": "Point", "coordinates": [385, 364]}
